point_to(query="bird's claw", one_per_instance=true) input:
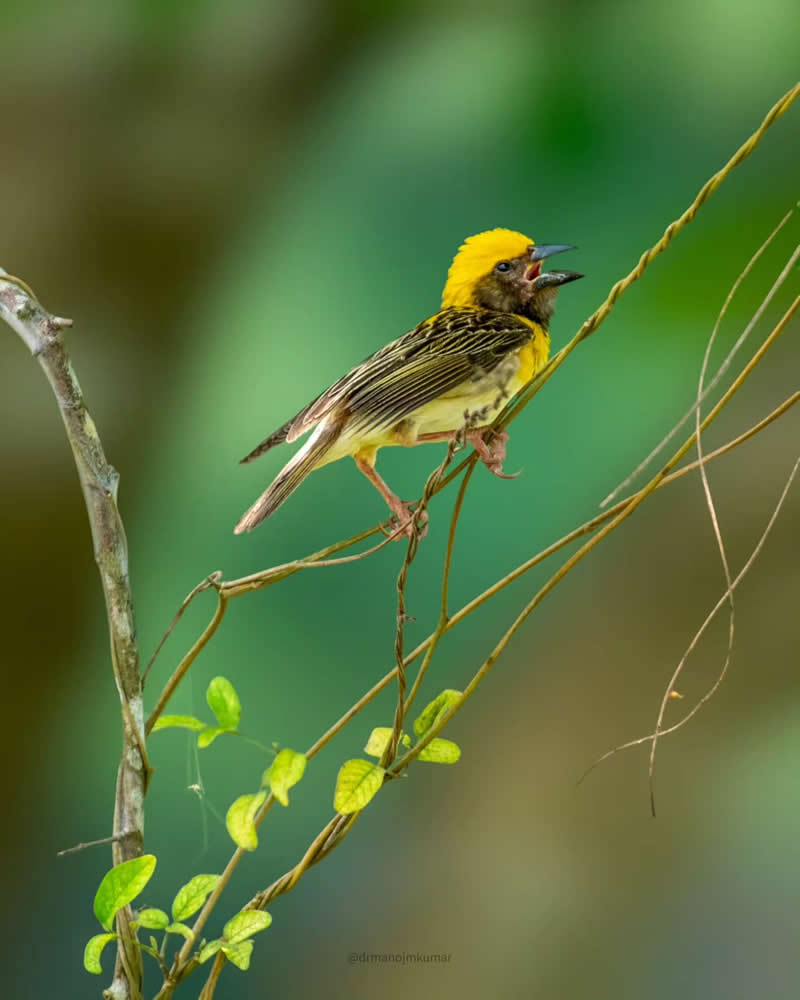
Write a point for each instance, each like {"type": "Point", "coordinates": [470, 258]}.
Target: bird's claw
{"type": "Point", "coordinates": [493, 453]}
{"type": "Point", "coordinates": [496, 470]}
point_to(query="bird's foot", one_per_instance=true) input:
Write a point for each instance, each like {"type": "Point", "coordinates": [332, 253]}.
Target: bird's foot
{"type": "Point", "coordinates": [493, 452]}
{"type": "Point", "coordinates": [405, 515]}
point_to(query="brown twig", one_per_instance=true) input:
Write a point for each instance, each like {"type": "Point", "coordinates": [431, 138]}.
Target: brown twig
{"type": "Point", "coordinates": [210, 581]}
{"type": "Point", "coordinates": [416, 527]}
{"type": "Point", "coordinates": [89, 843]}
{"type": "Point", "coordinates": [444, 618]}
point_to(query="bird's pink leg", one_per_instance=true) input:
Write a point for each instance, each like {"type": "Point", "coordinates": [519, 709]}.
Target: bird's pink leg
{"type": "Point", "coordinates": [401, 509]}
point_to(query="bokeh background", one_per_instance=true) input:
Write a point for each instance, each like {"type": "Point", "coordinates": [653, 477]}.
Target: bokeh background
{"type": "Point", "coordinates": [235, 202]}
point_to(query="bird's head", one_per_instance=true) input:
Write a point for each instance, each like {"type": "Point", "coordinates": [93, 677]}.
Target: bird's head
{"type": "Point", "coordinates": [502, 270]}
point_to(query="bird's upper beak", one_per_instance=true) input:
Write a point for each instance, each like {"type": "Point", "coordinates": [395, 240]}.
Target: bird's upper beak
{"type": "Point", "coordinates": [541, 252]}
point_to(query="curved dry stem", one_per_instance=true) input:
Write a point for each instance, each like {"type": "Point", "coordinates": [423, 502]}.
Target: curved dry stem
{"type": "Point", "coordinates": [659, 732]}
{"type": "Point", "coordinates": [182, 668]}
{"type": "Point", "coordinates": [726, 597]}
{"type": "Point", "coordinates": [693, 409]}
{"type": "Point", "coordinates": [210, 581]}
{"type": "Point", "coordinates": [444, 620]}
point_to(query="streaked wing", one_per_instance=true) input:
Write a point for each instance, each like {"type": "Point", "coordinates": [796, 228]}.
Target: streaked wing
{"type": "Point", "coordinates": [452, 347]}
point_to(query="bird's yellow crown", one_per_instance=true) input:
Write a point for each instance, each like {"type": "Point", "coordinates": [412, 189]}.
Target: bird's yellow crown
{"type": "Point", "coordinates": [476, 258]}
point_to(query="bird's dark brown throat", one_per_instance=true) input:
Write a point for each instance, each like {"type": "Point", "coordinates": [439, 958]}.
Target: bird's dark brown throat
{"type": "Point", "coordinates": [524, 288]}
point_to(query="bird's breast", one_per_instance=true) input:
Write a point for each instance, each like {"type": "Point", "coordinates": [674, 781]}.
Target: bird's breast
{"type": "Point", "coordinates": [479, 400]}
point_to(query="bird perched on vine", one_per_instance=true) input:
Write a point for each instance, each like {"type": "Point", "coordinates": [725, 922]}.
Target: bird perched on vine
{"type": "Point", "coordinates": [452, 373]}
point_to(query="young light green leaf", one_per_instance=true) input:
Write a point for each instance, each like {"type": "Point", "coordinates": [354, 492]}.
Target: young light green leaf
{"type": "Point", "coordinates": [150, 949]}
{"type": "Point", "coordinates": [286, 770]}
{"type": "Point", "coordinates": [93, 951]}
{"type": "Point", "coordinates": [239, 953]}
{"type": "Point", "coordinates": [224, 702]}
{"type": "Point", "coordinates": [240, 820]}
{"type": "Point", "coordinates": [191, 896]}
{"type": "Point", "coordinates": [121, 885]}
{"type": "Point", "coordinates": [379, 740]}
{"type": "Point", "coordinates": [209, 949]}
{"type": "Point", "coordinates": [441, 752]}
{"type": "Point", "coordinates": [179, 928]}
{"type": "Point", "coordinates": [208, 735]}
{"type": "Point", "coordinates": [152, 919]}
{"type": "Point", "coordinates": [245, 925]}
{"type": "Point", "coordinates": [179, 722]}
{"type": "Point", "coordinates": [357, 782]}
{"type": "Point", "coordinates": [432, 712]}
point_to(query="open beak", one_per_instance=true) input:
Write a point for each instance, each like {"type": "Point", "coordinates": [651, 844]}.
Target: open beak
{"type": "Point", "coordinates": [549, 278]}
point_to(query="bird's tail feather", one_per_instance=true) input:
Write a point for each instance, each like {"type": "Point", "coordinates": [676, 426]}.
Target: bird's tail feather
{"type": "Point", "coordinates": [290, 476]}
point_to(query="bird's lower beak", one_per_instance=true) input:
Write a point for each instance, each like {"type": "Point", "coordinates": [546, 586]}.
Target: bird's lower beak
{"type": "Point", "coordinates": [550, 278]}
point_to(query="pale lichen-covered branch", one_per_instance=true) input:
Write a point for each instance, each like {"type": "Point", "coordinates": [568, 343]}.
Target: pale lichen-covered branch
{"type": "Point", "coordinates": [43, 334]}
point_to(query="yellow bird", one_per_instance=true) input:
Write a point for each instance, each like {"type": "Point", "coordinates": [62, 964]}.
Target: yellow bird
{"type": "Point", "coordinates": [455, 370]}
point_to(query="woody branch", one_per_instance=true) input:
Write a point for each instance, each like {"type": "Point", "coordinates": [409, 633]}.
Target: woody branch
{"type": "Point", "coordinates": [43, 334]}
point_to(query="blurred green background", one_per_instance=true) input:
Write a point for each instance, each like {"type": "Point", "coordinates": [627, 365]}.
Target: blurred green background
{"type": "Point", "coordinates": [237, 202]}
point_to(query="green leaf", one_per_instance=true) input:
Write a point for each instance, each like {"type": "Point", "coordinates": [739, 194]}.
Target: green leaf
{"type": "Point", "coordinates": [441, 752]}
{"type": "Point", "coordinates": [121, 885]}
{"type": "Point", "coordinates": [152, 919]}
{"type": "Point", "coordinates": [208, 735]}
{"type": "Point", "coordinates": [239, 953]}
{"type": "Point", "coordinates": [93, 951]}
{"type": "Point", "coordinates": [433, 712]}
{"type": "Point", "coordinates": [286, 770]}
{"type": "Point", "coordinates": [224, 702]}
{"type": "Point", "coordinates": [379, 740]}
{"type": "Point", "coordinates": [209, 949]}
{"type": "Point", "coordinates": [178, 721]}
{"type": "Point", "coordinates": [191, 896]}
{"type": "Point", "coordinates": [245, 925]}
{"type": "Point", "coordinates": [357, 782]}
{"type": "Point", "coordinates": [179, 928]}
{"type": "Point", "coordinates": [240, 820]}
{"type": "Point", "coordinates": [150, 949]}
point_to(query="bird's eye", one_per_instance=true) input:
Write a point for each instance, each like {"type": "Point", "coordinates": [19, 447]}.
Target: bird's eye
{"type": "Point", "coordinates": [503, 267]}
